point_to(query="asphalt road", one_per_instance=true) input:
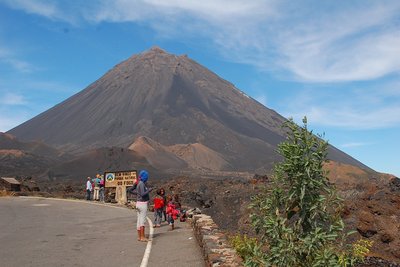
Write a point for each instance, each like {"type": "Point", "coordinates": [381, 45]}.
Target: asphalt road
{"type": "Point", "coordinates": [49, 232]}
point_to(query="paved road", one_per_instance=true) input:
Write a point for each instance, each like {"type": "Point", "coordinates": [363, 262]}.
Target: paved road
{"type": "Point", "coordinates": [48, 232]}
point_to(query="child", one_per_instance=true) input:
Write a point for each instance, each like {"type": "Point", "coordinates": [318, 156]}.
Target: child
{"type": "Point", "coordinates": [158, 208]}
{"type": "Point", "coordinates": [181, 212]}
{"type": "Point", "coordinates": [162, 194]}
{"type": "Point", "coordinates": [172, 212]}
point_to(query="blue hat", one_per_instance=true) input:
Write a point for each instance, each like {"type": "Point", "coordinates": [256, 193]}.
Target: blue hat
{"type": "Point", "coordinates": [143, 176]}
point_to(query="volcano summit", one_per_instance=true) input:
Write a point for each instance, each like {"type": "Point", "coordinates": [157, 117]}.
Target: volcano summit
{"type": "Point", "coordinates": [166, 112]}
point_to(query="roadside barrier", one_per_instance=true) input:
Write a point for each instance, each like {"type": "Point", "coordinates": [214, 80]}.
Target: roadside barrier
{"type": "Point", "coordinates": [214, 243]}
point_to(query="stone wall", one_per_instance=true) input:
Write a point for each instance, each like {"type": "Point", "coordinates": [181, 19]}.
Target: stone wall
{"type": "Point", "coordinates": [214, 243]}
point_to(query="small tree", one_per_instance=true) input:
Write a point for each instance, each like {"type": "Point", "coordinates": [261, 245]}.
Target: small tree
{"type": "Point", "coordinates": [298, 216]}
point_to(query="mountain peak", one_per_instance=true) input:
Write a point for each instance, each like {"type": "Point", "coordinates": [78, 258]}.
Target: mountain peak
{"type": "Point", "coordinates": [157, 52]}
{"type": "Point", "coordinates": [155, 56]}
{"type": "Point", "coordinates": [156, 49]}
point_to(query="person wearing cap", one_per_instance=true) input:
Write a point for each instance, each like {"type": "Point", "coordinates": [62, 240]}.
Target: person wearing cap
{"type": "Point", "coordinates": [143, 197]}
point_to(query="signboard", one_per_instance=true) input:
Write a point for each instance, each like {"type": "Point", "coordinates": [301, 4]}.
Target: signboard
{"type": "Point", "coordinates": [120, 178]}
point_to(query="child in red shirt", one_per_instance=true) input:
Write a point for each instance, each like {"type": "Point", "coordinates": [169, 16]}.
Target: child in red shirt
{"type": "Point", "coordinates": [172, 212]}
{"type": "Point", "coordinates": [158, 208]}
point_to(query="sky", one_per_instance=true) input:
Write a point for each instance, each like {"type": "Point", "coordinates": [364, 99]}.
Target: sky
{"type": "Point", "coordinates": [336, 62]}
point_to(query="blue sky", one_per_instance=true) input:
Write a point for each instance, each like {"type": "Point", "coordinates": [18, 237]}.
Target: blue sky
{"type": "Point", "coordinates": [336, 62]}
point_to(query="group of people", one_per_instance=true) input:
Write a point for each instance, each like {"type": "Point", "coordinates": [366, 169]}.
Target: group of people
{"type": "Point", "coordinates": [167, 206]}
{"type": "Point", "coordinates": [95, 188]}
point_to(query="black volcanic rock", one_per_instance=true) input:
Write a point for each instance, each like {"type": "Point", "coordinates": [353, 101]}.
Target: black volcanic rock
{"type": "Point", "coordinates": [172, 100]}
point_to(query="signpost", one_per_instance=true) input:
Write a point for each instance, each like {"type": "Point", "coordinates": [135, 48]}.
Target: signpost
{"type": "Point", "coordinates": [120, 180]}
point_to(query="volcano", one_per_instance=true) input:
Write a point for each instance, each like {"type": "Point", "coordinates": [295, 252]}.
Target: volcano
{"type": "Point", "coordinates": [170, 111]}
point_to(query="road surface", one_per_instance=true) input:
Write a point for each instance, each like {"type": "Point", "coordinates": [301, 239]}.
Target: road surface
{"type": "Point", "coordinates": [49, 232]}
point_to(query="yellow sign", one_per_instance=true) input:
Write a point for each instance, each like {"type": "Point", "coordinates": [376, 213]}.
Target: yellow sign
{"type": "Point", "coordinates": [120, 178]}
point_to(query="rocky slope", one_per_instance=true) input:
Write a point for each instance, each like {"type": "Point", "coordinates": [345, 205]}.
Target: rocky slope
{"type": "Point", "coordinates": [372, 209]}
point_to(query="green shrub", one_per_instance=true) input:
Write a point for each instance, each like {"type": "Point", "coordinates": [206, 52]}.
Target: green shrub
{"type": "Point", "coordinates": [298, 216]}
{"type": "Point", "coordinates": [243, 245]}
{"type": "Point", "coordinates": [248, 249]}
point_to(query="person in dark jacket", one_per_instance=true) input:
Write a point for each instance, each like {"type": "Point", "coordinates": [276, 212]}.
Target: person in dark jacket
{"type": "Point", "coordinates": [143, 197]}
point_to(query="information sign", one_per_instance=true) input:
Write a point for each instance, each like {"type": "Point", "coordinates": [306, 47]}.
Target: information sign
{"type": "Point", "coordinates": [120, 178]}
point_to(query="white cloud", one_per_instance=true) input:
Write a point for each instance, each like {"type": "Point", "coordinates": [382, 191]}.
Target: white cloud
{"type": "Point", "coordinates": [54, 10]}
{"type": "Point", "coordinates": [39, 7]}
{"type": "Point", "coordinates": [7, 57]}
{"type": "Point", "coordinates": [208, 11]}
{"type": "Point", "coordinates": [349, 117]}
{"type": "Point", "coordinates": [345, 59]}
{"type": "Point", "coordinates": [231, 24]}
{"type": "Point", "coordinates": [372, 107]}
{"type": "Point", "coordinates": [309, 40]}
{"type": "Point", "coordinates": [354, 144]}
{"type": "Point", "coordinates": [12, 99]}
{"type": "Point", "coordinates": [19, 65]}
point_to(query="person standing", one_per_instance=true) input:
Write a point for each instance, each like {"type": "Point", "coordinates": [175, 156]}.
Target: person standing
{"type": "Point", "coordinates": [88, 188]}
{"type": "Point", "coordinates": [101, 192]}
{"type": "Point", "coordinates": [158, 208]}
{"type": "Point", "coordinates": [172, 212]}
{"type": "Point", "coordinates": [143, 197]}
{"type": "Point", "coordinates": [164, 196]}
{"type": "Point", "coordinates": [96, 187]}
{"type": "Point", "coordinates": [92, 181]}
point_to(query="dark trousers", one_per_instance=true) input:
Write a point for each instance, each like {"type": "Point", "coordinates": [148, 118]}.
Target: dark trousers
{"type": "Point", "coordinates": [170, 219]}
{"type": "Point", "coordinates": [157, 216]}
{"type": "Point", "coordinates": [87, 194]}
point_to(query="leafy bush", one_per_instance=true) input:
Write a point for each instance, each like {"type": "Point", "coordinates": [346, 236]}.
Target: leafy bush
{"type": "Point", "coordinates": [298, 216]}
{"type": "Point", "coordinates": [243, 245]}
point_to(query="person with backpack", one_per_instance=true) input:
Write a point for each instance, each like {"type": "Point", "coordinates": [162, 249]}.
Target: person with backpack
{"type": "Point", "coordinates": [143, 197]}
{"type": "Point", "coordinates": [158, 208]}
